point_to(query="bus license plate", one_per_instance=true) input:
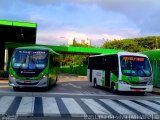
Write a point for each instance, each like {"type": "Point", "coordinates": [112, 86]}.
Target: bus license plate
{"type": "Point", "coordinates": [137, 90]}
{"type": "Point", "coordinates": [27, 81]}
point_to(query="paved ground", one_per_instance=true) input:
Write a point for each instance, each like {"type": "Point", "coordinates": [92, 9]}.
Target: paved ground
{"type": "Point", "coordinates": [67, 84]}
{"type": "Point", "coordinates": [74, 97]}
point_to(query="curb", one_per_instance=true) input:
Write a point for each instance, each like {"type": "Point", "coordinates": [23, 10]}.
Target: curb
{"type": "Point", "coordinates": [3, 78]}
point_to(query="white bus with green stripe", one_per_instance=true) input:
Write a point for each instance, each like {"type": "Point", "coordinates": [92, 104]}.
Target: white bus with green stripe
{"type": "Point", "coordinates": [122, 71]}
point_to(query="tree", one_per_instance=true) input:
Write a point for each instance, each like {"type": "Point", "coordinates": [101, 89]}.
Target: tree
{"type": "Point", "coordinates": [134, 44]}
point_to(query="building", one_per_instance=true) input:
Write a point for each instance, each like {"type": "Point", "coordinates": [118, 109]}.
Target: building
{"type": "Point", "coordinates": [72, 41]}
{"type": "Point", "coordinates": [18, 32]}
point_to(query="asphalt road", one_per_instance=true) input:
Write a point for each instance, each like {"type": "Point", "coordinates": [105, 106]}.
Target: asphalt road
{"type": "Point", "coordinates": [74, 97]}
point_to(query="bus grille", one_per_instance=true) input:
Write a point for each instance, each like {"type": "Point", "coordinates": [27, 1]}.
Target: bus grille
{"type": "Point", "coordinates": [139, 83]}
{"type": "Point", "coordinates": [35, 83]}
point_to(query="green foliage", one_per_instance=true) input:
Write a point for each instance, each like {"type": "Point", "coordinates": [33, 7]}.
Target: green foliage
{"type": "Point", "coordinates": [74, 59]}
{"type": "Point", "coordinates": [135, 44]}
{"type": "Point", "coordinates": [76, 69]}
{"type": "Point", "coordinates": [3, 74]}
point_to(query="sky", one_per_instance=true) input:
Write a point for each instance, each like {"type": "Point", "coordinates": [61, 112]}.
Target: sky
{"type": "Point", "coordinates": [98, 20]}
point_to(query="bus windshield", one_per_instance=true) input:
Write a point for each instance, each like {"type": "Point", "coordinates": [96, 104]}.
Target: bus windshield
{"type": "Point", "coordinates": [135, 66]}
{"type": "Point", "coordinates": [29, 59]}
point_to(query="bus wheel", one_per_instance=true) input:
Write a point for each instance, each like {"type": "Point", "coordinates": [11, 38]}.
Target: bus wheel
{"type": "Point", "coordinates": [15, 88]}
{"type": "Point", "coordinates": [48, 85]}
{"type": "Point", "coordinates": [141, 93]}
{"type": "Point", "coordinates": [95, 83]}
{"type": "Point", "coordinates": [112, 88]}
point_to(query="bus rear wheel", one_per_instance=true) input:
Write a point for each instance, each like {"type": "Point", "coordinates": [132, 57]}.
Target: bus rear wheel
{"type": "Point", "coordinates": [15, 88]}
{"type": "Point", "coordinates": [113, 90]}
{"type": "Point", "coordinates": [95, 83]}
{"type": "Point", "coordinates": [141, 93]}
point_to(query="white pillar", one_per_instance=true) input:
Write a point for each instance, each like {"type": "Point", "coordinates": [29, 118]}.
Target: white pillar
{"type": "Point", "coordinates": [6, 59]}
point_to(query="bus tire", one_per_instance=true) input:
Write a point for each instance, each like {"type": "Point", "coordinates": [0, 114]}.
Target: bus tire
{"type": "Point", "coordinates": [95, 83]}
{"type": "Point", "coordinates": [15, 88]}
{"type": "Point", "coordinates": [48, 85]}
{"type": "Point", "coordinates": [141, 93]}
{"type": "Point", "coordinates": [112, 88]}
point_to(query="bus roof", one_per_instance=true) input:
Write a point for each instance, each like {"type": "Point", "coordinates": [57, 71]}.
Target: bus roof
{"type": "Point", "coordinates": [37, 48]}
{"type": "Point", "coordinates": [120, 53]}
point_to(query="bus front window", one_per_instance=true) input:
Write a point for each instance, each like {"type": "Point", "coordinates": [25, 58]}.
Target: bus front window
{"type": "Point", "coordinates": [135, 66]}
{"type": "Point", "coordinates": [27, 59]}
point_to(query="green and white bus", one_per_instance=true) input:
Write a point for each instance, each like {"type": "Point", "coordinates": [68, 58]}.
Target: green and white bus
{"type": "Point", "coordinates": [122, 71]}
{"type": "Point", "coordinates": [33, 67]}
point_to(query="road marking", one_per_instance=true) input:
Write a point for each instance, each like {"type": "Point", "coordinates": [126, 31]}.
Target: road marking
{"type": "Point", "coordinates": [5, 102]}
{"type": "Point", "coordinates": [95, 107]}
{"type": "Point", "coordinates": [158, 101]}
{"type": "Point", "coordinates": [14, 106]}
{"type": "Point", "coordinates": [71, 84]}
{"type": "Point", "coordinates": [38, 107]}
{"type": "Point", "coordinates": [151, 104]}
{"type": "Point", "coordinates": [119, 108]}
{"type": "Point", "coordinates": [110, 109]}
{"type": "Point", "coordinates": [26, 106]}
{"type": "Point", "coordinates": [87, 110]}
{"type": "Point", "coordinates": [50, 106]}
{"type": "Point", "coordinates": [77, 94]}
{"type": "Point", "coordinates": [4, 86]}
{"type": "Point", "coordinates": [151, 97]}
{"type": "Point", "coordinates": [128, 107]}
{"type": "Point", "coordinates": [73, 107]}
{"type": "Point", "coordinates": [137, 107]}
{"type": "Point", "coordinates": [62, 108]}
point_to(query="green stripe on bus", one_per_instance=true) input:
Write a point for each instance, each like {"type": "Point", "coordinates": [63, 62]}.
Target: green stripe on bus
{"type": "Point", "coordinates": [127, 78]}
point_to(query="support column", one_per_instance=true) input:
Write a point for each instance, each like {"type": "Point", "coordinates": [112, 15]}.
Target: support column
{"type": "Point", "coordinates": [6, 60]}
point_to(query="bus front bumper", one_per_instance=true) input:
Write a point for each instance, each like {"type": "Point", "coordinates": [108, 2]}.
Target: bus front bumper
{"type": "Point", "coordinates": [126, 87]}
{"type": "Point", "coordinates": [28, 83]}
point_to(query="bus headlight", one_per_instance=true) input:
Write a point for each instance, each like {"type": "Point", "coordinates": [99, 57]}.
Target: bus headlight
{"type": "Point", "coordinates": [12, 77]}
{"type": "Point", "coordinates": [44, 76]}
{"type": "Point", "coordinates": [122, 82]}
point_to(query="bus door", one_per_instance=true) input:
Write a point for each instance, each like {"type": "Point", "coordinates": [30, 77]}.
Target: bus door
{"type": "Point", "coordinates": [107, 77]}
{"type": "Point", "coordinates": [90, 74]}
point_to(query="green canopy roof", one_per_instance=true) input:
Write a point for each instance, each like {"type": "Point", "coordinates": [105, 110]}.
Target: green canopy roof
{"type": "Point", "coordinates": [20, 24]}
{"type": "Point", "coordinates": [67, 49]}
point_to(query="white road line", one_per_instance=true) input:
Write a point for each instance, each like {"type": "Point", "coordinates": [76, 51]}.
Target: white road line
{"type": "Point", "coordinates": [73, 94]}
{"type": "Point", "coordinates": [157, 101]}
{"type": "Point", "coordinates": [137, 107]}
{"type": "Point", "coordinates": [151, 97]}
{"type": "Point", "coordinates": [117, 107]}
{"type": "Point", "coordinates": [5, 102]}
{"type": "Point", "coordinates": [150, 104]}
{"type": "Point", "coordinates": [95, 107]}
{"type": "Point", "coordinates": [73, 107]}
{"type": "Point", "coordinates": [71, 84]}
{"type": "Point", "coordinates": [79, 94]}
{"type": "Point", "coordinates": [50, 106]}
{"type": "Point", "coordinates": [26, 106]}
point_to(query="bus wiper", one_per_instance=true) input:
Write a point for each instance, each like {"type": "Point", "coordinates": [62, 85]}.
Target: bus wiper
{"type": "Point", "coordinates": [139, 68]}
{"type": "Point", "coordinates": [32, 62]}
